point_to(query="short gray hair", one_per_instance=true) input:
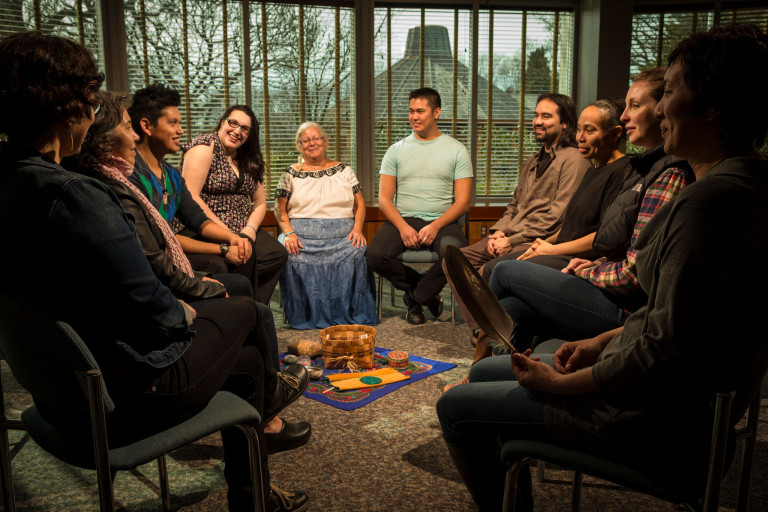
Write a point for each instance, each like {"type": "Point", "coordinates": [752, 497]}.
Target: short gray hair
{"type": "Point", "coordinates": [305, 126]}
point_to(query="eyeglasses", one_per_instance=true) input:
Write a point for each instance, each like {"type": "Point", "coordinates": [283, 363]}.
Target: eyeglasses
{"type": "Point", "coordinates": [234, 124]}
{"type": "Point", "coordinates": [306, 142]}
{"type": "Point", "coordinates": [97, 106]}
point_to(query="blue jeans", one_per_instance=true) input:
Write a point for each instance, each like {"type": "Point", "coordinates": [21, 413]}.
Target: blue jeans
{"type": "Point", "coordinates": [546, 302]}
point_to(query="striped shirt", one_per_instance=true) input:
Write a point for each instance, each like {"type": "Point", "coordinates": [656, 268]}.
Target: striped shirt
{"type": "Point", "coordinates": [620, 277]}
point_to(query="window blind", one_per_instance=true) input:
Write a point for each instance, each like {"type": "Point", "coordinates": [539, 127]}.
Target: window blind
{"type": "Point", "coordinates": [79, 20]}
{"type": "Point", "coordinates": [441, 58]}
{"type": "Point", "coordinates": [300, 68]}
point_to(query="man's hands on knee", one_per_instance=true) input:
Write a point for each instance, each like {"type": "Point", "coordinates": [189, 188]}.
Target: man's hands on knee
{"type": "Point", "coordinates": [498, 245]}
{"type": "Point", "coordinates": [410, 237]}
{"type": "Point", "coordinates": [428, 234]}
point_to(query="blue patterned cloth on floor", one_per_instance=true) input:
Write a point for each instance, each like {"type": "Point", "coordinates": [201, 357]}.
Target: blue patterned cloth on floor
{"type": "Point", "coordinates": [328, 282]}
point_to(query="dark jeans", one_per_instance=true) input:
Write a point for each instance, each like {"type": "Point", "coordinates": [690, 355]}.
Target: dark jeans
{"type": "Point", "coordinates": [230, 351]}
{"type": "Point", "coordinates": [475, 416]}
{"type": "Point", "coordinates": [545, 302]}
{"type": "Point", "coordinates": [387, 245]}
{"type": "Point", "coordinates": [555, 261]}
{"type": "Point", "coordinates": [263, 269]}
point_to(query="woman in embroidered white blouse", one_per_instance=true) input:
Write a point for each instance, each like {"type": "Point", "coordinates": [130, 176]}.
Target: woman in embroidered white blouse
{"type": "Point", "coordinates": [321, 211]}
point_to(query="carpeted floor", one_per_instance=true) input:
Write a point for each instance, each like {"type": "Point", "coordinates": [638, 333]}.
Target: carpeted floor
{"type": "Point", "coordinates": [386, 456]}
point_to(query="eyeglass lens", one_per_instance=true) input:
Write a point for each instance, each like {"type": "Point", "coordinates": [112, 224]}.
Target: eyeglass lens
{"type": "Point", "coordinates": [234, 124]}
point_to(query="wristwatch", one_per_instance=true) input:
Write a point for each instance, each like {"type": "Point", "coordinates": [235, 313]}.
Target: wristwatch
{"type": "Point", "coordinates": [224, 248]}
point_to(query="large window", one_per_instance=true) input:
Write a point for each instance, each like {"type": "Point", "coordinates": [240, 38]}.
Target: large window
{"type": "Point", "coordinates": [296, 67]}
{"type": "Point", "coordinates": [656, 31]}
{"type": "Point", "coordinates": [520, 55]}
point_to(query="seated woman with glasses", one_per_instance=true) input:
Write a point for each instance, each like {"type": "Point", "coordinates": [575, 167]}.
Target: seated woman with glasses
{"type": "Point", "coordinates": [224, 171]}
{"type": "Point", "coordinates": [320, 208]}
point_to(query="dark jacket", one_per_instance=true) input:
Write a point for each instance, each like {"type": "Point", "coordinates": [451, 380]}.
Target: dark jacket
{"type": "Point", "coordinates": [88, 269]}
{"type": "Point", "coordinates": [153, 244]}
{"type": "Point", "coordinates": [701, 331]}
{"type": "Point", "coordinates": [618, 221]}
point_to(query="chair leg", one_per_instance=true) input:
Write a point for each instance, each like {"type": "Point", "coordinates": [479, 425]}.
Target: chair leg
{"type": "Point", "coordinates": [540, 468]}
{"type": "Point", "coordinates": [717, 451]}
{"type": "Point", "coordinates": [165, 493]}
{"type": "Point", "coordinates": [510, 486]}
{"type": "Point", "coordinates": [379, 295]}
{"type": "Point", "coordinates": [748, 434]}
{"type": "Point", "coordinates": [256, 471]}
{"type": "Point", "coordinates": [578, 478]}
{"type": "Point", "coordinates": [100, 446]}
{"type": "Point", "coordinates": [9, 497]}
{"type": "Point", "coordinates": [391, 294]}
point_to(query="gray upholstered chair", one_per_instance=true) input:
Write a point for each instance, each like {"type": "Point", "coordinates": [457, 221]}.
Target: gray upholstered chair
{"type": "Point", "coordinates": [49, 360]}
{"type": "Point", "coordinates": [518, 453]}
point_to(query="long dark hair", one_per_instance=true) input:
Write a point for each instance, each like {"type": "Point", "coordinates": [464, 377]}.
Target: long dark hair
{"type": "Point", "coordinates": [99, 142]}
{"type": "Point", "coordinates": [248, 156]}
{"type": "Point", "coordinates": [44, 79]}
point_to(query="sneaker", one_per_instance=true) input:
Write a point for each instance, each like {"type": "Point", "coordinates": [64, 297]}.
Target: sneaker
{"type": "Point", "coordinates": [435, 306]}
{"type": "Point", "coordinates": [291, 383]}
{"type": "Point", "coordinates": [415, 315]}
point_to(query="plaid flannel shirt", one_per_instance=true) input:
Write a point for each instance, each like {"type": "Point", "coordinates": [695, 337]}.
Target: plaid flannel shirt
{"type": "Point", "coordinates": [620, 277]}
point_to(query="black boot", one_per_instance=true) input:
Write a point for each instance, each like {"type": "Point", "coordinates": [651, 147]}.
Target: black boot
{"type": "Point", "coordinates": [485, 476]}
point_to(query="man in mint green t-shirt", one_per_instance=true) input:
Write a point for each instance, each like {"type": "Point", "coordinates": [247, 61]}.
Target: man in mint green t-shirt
{"type": "Point", "coordinates": [425, 185]}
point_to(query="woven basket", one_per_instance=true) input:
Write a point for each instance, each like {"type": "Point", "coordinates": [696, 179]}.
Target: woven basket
{"type": "Point", "coordinates": [340, 341]}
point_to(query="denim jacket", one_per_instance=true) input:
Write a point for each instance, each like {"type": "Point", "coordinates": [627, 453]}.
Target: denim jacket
{"type": "Point", "coordinates": [72, 249]}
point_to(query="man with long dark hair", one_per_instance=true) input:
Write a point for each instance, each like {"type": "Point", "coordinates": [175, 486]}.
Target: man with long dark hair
{"type": "Point", "coordinates": [545, 184]}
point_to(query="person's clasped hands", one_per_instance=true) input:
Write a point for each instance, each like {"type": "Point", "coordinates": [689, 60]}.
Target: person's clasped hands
{"type": "Point", "coordinates": [539, 247]}
{"type": "Point", "coordinates": [240, 250]}
{"type": "Point", "coordinates": [498, 243]}
{"type": "Point", "coordinates": [423, 238]}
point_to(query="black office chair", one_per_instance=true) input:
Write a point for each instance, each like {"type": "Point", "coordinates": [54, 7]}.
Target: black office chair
{"type": "Point", "coordinates": [518, 454]}
{"type": "Point", "coordinates": [49, 360]}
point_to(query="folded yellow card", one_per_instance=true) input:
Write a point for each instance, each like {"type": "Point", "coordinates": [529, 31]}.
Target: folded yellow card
{"type": "Point", "coordinates": [349, 381]}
